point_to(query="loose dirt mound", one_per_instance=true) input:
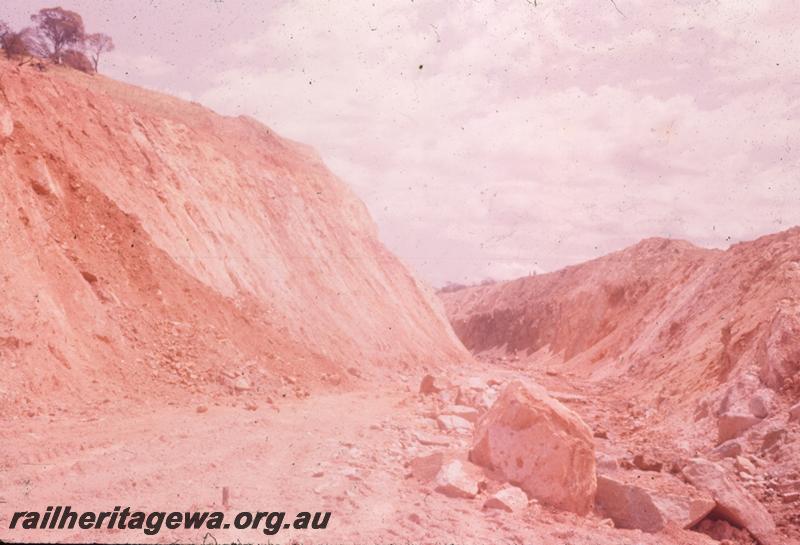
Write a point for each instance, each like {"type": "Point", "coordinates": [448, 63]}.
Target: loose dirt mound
{"type": "Point", "coordinates": [152, 248]}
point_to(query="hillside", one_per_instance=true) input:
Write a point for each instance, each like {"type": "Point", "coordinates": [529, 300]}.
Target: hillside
{"type": "Point", "coordinates": [668, 351]}
{"type": "Point", "coordinates": [198, 315]}
{"type": "Point", "coordinates": [662, 310]}
{"type": "Point", "coordinates": [153, 249]}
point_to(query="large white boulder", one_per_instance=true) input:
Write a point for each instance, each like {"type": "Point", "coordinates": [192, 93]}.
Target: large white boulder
{"type": "Point", "coordinates": [534, 442]}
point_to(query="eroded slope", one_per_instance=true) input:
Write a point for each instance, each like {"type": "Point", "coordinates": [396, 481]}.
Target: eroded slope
{"type": "Point", "coordinates": [151, 247]}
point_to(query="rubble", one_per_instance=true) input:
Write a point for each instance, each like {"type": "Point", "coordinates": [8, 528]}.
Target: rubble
{"type": "Point", "coordinates": [734, 503]}
{"type": "Point", "coordinates": [648, 501]}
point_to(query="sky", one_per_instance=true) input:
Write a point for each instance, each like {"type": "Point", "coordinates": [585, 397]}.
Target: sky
{"type": "Point", "coordinates": [495, 139]}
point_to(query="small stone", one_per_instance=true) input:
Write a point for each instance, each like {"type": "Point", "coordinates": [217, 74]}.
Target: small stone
{"type": "Point", "coordinates": [458, 479]}
{"type": "Point", "coordinates": [6, 123]}
{"type": "Point", "coordinates": [425, 468]}
{"type": "Point", "coordinates": [431, 385]}
{"type": "Point", "coordinates": [731, 425]}
{"type": "Point", "coordinates": [761, 404]}
{"type": "Point", "coordinates": [250, 406]}
{"type": "Point", "coordinates": [772, 438]}
{"type": "Point", "coordinates": [431, 440]}
{"type": "Point", "coordinates": [509, 498]}
{"type": "Point", "coordinates": [241, 384]}
{"type": "Point", "coordinates": [202, 409]}
{"type": "Point", "coordinates": [790, 497]}
{"type": "Point", "coordinates": [645, 463]}
{"type": "Point", "coordinates": [449, 422]}
{"type": "Point", "coordinates": [470, 414]}
{"type": "Point", "coordinates": [605, 462]}
{"type": "Point", "coordinates": [600, 433]}
{"type": "Point", "coordinates": [794, 413]}
{"type": "Point", "coordinates": [728, 449]}
{"type": "Point", "coordinates": [743, 464]}
{"type": "Point", "coordinates": [788, 486]}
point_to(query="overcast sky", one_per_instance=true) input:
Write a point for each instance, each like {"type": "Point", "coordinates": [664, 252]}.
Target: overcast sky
{"type": "Point", "coordinates": [497, 138]}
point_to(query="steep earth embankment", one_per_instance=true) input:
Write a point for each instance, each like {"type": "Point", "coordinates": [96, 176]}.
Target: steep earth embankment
{"type": "Point", "coordinates": [667, 351]}
{"type": "Point", "coordinates": [675, 321]}
{"type": "Point", "coordinates": [152, 248]}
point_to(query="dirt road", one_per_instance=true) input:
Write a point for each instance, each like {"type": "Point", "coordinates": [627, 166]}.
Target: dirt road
{"type": "Point", "coordinates": [345, 453]}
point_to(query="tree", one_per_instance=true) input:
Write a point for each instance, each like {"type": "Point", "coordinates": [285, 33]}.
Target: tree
{"type": "Point", "coordinates": [77, 60]}
{"type": "Point", "coordinates": [35, 43]}
{"type": "Point", "coordinates": [14, 44]}
{"type": "Point", "coordinates": [59, 28]}
{"type": "Point", "coordinates": [96, 44]}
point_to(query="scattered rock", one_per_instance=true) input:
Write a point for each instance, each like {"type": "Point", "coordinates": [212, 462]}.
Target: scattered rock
{"type": "Point", "coordinates": [449, 422]}
{"type": "Point", "coordinates": [432, 385]}
{"type": "Point", "coordinates": [778, 351]}
{"type": "Point", "coordinates": [731, 426]}
{"type": "Point", "coordinates": [788, 486]}
{"type": "Point", "coordinates": [794, 413]}
{"type": "Point", "coordinates": [605, 462]}
{"type": "Point", "coordinates": [448, 396]}
{"type": "Point", "coordinates": [470, 414]}
{"type": "Point", "coordinates": [645, 463]}
{"type": "Point", "coordinates": [772, 438]}
{"type": "Point", "coordinates": [533, 441]}
{"type": "Point", "coordinates": [649, 501]}
{"type": "Point", "coordinates": [458, 479]}
{"type": "Point", "coordinates": [761, 403]}
{"type": "Point", "coordinates": [478, 399]}
{"type": "Point", "coordinates": [743, 464]}
{"type": "Point", "coordinates": [89, 277]}
{"type": "Point", "coordinates": [241, 384]}
{"type": "Point", "coordinates": [6, 123]}
{"type": "Point", "coordinates": [728, 449]}
{"type": "Point", "coordinates": [734, 503]}
{"type": "Point", "coordinates": [431, 440]}
{"type": "Point", "coordinates": [425, 468]}
{"type": "Point", "coordinates": [509, 498]}
{"type": "Point", "coordinates": [790, 497]}
{"type": "Point", "coordinates": [721, 530]}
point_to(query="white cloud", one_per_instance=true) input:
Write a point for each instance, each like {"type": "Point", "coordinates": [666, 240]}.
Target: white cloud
{"type": "Point", "coordinates": [531, 137]}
